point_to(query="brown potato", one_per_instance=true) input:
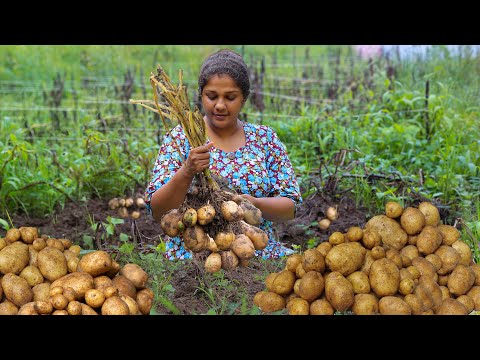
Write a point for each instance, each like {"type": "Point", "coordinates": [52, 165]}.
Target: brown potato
{"type": "Point", "coordinates": [52, 263]}
{"type": "Point", "coordinates": [189, 217]}
{"type": "Point", "coordinates": [8, 308]}
{"type": "Point", "coordinates": [378, 252]}
{"type": "Point", "coordinates": [360, 282]}
{"type": "Point", "coordinates": [367, 263]}
{"type": "Point", "coordinates": [72, 264]}
{"type": "Point", "coordinates": [392, 234]}
{"type": "Point", "coordinates": [229, 260]}
{"type": "Point", "coordinates": [412, 220]}
{"type": "Point", "coordinates": [60, 312]}
{"type": "Point", "coordinates": [339, 291]}
{"type": "Point", "coordinates": [69, 293]}
{"type": "Point", "coordinates": [124, 286]}
{"type": "Point", "coordinates": [13, 258]}
{"type": "Point", "coordinates": [101, 282]}
{"type": "Point", "coordinates": [94, 298]}
{"type": "Point", "coordinates": [298, 306]}
{"type": "Point", "coordinates": [95, 263]}
{"type": "Point", "coordinates": [87, 310]}
{"type": "Point", "coordinates": [41, 292]}
{"type": "Point", "coordinates": [43, 307]}
{"type": "Point", "coordinates": [32, 275]}
{"type": "Point", "coordinates": [451, 307]}
{"type": "Point", "coordinates": [464, 251]}
{"type": "Point", "coordinates": [450, 234]}
{"type": "Point", "coordinates": [445, 293]}
{"type": "Point", "coordinates": [28, 234]}
{"type": "Point", "coordinates": [258, 237]}
{"type": "Point", "coordinates": [195, 238]}
{"type": "Point", "coordinates": [461, 280]}
{"type": "Point", "coordinates": [258, 295]}
{"type": "Point", "coordinates": [131, 303]}
{"type": "Point", "coordinates": [27, 309]}
{"type": "Point", "coordinates": [231, 211]}
{"type": "Point", "coordinates": [324, 247]}
{"type": "Point", "coordinates": [384, 277]}
{"type": "Point", "coordinates": [243, 247]}
{"type": "Point", "coordinates": [300, 271]}
{"type": "Point", "coordinates": [429, 239]}
{"type": "Point", "coordinates": [144, 301]}
{"type": "Point", "coordinates": [415, 303]}
{"type": "Point", "coordinates": [467, 301]}
{"type": "Point", "coordinates": [135, 274]}
{"type": "Point", "coordinates": [311, 287]}
{"type": "Point", "coordinates": [283, 282]}
{"type": "Point", "coordinates": [450, 259]}
{"type": "Point", "coordinates": [110, 291]}
{"type": "Point", "coordinates": [355, 233]}
{"type": "Point", "coordinates": [213, 263]}
{"type": "Point", "coordinates": [224, 240]}
{"type": "Point", "coordinates": [16, 289]}
{"type": "Point", "coordinates": [336, 238]}
{"type": "Point", "coordinates": [251, 214]}
{"type": "Point", "coordinates": [321, 307]}
{"type": "Point", "coordinates": [114, 269]}
{"type": "Point", "coordinates": [435, 260]}
{"type": "Point", "coordinates": [292, 262]}
{"type": "Point", "coordinates": [12, 235]}
{"type": "Point", "coordinates": [394, 255]}
{"type": "Point", "coordinates": [313, 260]}
{"type": "Point", "coordinates": [271, 302]}
{"type": "Point", "coordinates": [78, 281]}
{"type": "Point", "coordinates": [392, 305]}
{"type": "Point", "coordinates": [406, 286]}
{"type": "Point", "coordinates": [365, 304]}
{"type": "Point", "coordinates": [430, 211]}
{"type": "Point", "coordinates": [39, 243]}
{"type": "Point", "coordinates": [114, 306]}
{"type": "Point", "coordinates": [474, 294]}
{"type": "Point", "coordinates": [425, 267]}
{"type": "Point", "coordinates": [411, 251]}
{"type": "Point", "coordinates": [346, 258]}
{"type": "Point", "coordinates": [476, 271]}
{"type": "Point", "coordinates": [205, 214]}
{"type": "Point", "coordinates": [393, 209]}
{"type": "Point", "coordinates": [55, 243]}
{"type": "Point", "coordinates": [169, 222]}
{"type": "Point", "coordinates": [59, 301]}
{"type": "Point", "coordinates": [74, 308]}
{"type": "Point", "coordinates": [371, 238]}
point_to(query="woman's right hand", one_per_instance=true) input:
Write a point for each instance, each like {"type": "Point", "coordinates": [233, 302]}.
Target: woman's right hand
{"type": "Point", "coordinates": [198, 159]}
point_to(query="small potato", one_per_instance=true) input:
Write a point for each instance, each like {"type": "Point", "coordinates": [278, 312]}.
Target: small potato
{"type": "Point", "coordinates": [435, 260]}
{"type": "Point", "coordinates": [464, 251]}
{"type": "Point", "coordinates": [451, 307]}
{"type": "Point", "coordinates": [354, 233]}
{"type": "Point", "coordinates": [365, 304]}
{"type": "Point", "coordinates": [313, 260]}
{"type": "Point", "coordinates": [114, 269]}
{"type": "Point", "coordinates": [59, 301]}
{"type": "Point", "coordinates": [144, 301]}
{"type": "Point", "coordinates": [76, 249]}
{"type": "Point", "coordinates": [429, 239]}
{"type": "Point", "coordinates": [474, 294]}
{"type": "Point", "coordinates": [311, 287]}
{"type": "Point", "coordinates": [321, 307]}
{"type": "Point", "coordinates": [94, 298]}
{"type": "Point", "coordinates": [110, 291]}
{"type": "Point", "coordinates": [450, 234]}
{"type": "Point", "coordinates": [229, 260]}
{"type": "Point", "coordinates": [300, 271]}
{"type": "Point", "coordinates": [467, 301]}
{"type": "Point", "coordinates": [371, 238]}
{"type": "Point", "coordinates": [339, 291]}
{"type": "Point", "coordinates": [195, 238]}
{"type": "Point", "coordinates": [3, 243]}
{"type": "Point", "coordinates": [60, 312]}
{"type": "Point", "coordinates": [69, 293]}
{"type": "Point", "coordinates": [336, 238]}
{"type": "Point", "coordinates": [95, 263]}
{"type": "Point", "coordinates": [461, 280]}
{"type": "Point", "coordinates": [213, 263]}
{"type": "Point", "coordinates": [224, 240]}
{"type": "Point", "coordinates": [12, 235]}
{"type": "Point", "coordinates": [41, 292]}
{"type": "Point", "coordinates": [14, 258]}
{"type": "Point", "coordinates": [28, 234]}
{"type": "Point", "coordinates": [430, 211]}
{"type": "Point", "coordinates": [406, 286]}
{"type": "Point", "coordinates": [415, 304]}
{"type": "Point", "coordinates": [283, 282]}
{"type": "Point", "coordinates": [394, 255]}
{"type": "Point", "coordinates": [43, 307]}
{"type": "Point", "coordinates": [27, 309]}
{"type": "Point", "coordinates": [243, 247]}
{"type": "Point", "coordinates": [298, 306]}
{"type": "Point", "coordinates": [205, 214]}
{"type": "Point", "coordinates": [66, 243]}
{"type": "Point", "coordinates": [324, 247]}
{"type": "Point", "coordinates": [292, 262]}
{"type": "Point", "coordinates": [87, 310]}
{"type": "Point", "coordinates": [393, 209]}
{"type": "Point", "coordinates": [74, 308]}
{"type": "Point", "coordinates": [39, 243]}
{"type": "Point", "coordinates": [391, 305]}
{"type": "Point", "coordinates": [55, 243]}
{"type": "Point", "coordinates": [131, 303]}
{"type": "Point", "coordinates": [124, 286]}
{"type": "Point", "coordinates": [378, 252]}
{"type": "Point", "coordinates": [72, 264]}
{"type": "Point", "coordinates": [271, 302]}
{"type": "Point", "coordinates": [450, 259]}
{"type": "Point", "coordinates": [384, 277]}
{"type": "Point", "coordinates": [360, 282]}
{"type": "Point", "coordinates": [52, 263]}
{"type": "Point", "coordinates": [16, 289]}
{"type": "Point", "coordinates": [32, 275]}
{"type": "Point", "coordinates": [101, 282]}
{"type": "Point", "coordinates": [169, 222]}
{"type": "Point", "coordinates": [412, 220]}
{"type": "Point", "coordinates": [189, 217]}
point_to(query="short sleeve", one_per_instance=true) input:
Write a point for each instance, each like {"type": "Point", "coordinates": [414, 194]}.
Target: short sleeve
{"type": "Point", "coordinates": [280, 170]}
{"type": "Point", "coordinates": [168, 161]}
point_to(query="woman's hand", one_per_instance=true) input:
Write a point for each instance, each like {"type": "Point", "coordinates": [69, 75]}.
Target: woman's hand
{"type": "Point", "coordinates": [250, 198]}
{"type": "Point", "coordinates": [198, 160]}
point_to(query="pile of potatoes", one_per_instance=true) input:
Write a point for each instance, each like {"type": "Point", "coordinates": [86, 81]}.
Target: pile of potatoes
{"type": "Point", "coordinates": [127, 207]}
{"type": "Point", "coordinates": [227, 247]}
{"type": "Point", "coordinates": [403, 262]}
{"type": "Point", "coordinates": [40, 275]}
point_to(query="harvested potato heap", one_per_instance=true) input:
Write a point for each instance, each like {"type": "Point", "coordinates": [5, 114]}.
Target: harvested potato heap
{"type": "Point", "coordinates": [213, 218]}
{"type": "Point", "coordinates": [402, 262]}
{"type": "Point", "coordinates": [41, 275]}
{"type": "Point", "coordinates": [127, 207]}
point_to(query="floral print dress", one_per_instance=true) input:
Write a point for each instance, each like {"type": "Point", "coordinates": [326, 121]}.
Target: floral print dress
{"type": "Point", "coordinates": [260, 168]}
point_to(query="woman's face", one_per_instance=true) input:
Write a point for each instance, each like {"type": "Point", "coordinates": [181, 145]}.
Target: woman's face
{"type": "Point", "coordinates": [222, 101]}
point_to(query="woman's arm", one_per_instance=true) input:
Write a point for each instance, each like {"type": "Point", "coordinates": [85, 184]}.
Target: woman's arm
{"type": "Point", "coordinates": [276, 209]}
{"type": "Point", "coordinates": [172, 194]}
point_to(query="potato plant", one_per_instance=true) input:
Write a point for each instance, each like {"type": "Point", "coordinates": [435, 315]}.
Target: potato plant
{"type": "Point", "coordinates": [403, 262]}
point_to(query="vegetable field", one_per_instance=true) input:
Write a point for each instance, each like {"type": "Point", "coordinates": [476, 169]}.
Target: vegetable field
{"type": "Point", "coordinates": [362, 128]}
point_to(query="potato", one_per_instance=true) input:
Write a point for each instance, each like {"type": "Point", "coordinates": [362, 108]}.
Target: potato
{"type": "Point", "coordinates": [296, 287]}
{"type": "Point", "coordinates": [430, 211]}
{"type": "Point", "coordinates": [474, 294]}
{"type": "Point", "coordinates": [443, 280]}
{"type": "Point", "coordinates": [313, 260]}
{"type": "Point", "coordinates": [59, 301]}
{"type": "Point", "coordinates": [224, 240]}
{"type": "Point", "coordinates": [95, 263]}
{"type": "Point", "coordinates": [345, 258]}
{"type": "Point", "coordinates": [392, 234]}
{"type": "Point", "coordinates": [271, 302]}
{"type": "Point", "coordinates": [411, 251]}
{"type": "Point", "coordinates": [41, 292]}
{"type": "Point", "coordinates": [258, 237]}
{"type": "Point", "coordinates": [450, 234]}
{"type": "Point", "coordinates": [131, 303]}
{"type": "Point", "coordinates": [28, 234]}
{"type": "Point", "coordinates": [39, 243]}
{"type": "Point", "coordinates": [416, 305]}
{"type": "Point", "coordinates": [33, 254]}
{"type": "Point", "coordinates": [54, 290]}
{"type": "Point", "coordinates": [69, 255]}
{"type": "Point", "coordinates": [51, 263]}
{"type": "Point", "coordinates": [464, 251]}
{"type": "Point", "coordinates": [69, 293]}
{"type": "Point", "coordinates": [115, 306]}
{"type": "Point", "coordinates": [429, 239]}
{"type": "Point", "coordinates": [32, 275]}
{"type": "Point", "coordinates": [78, 281]}
{"type": "Point", "coordinates": [394, 255]}
{"type": "Point", "coordinates": [324, 224]}
{"type": "Point", "coordinates": [406, 286]}
{"type": "Point", "coordinates": [451, 307]}
{"type": "Point", "coordinates": [258, 295]}
{"type": "Point", "coordinates": [414, 271]}
{"type": "Point", "coordinates": [16, 289]}
{"type": "Point", "coordinates": [467, 301]}
{"type": "Point", "coordinates": [393, 209]}
{"type": "Point", "coordinates": [412, 240]}
{"type": "Point", "coordinates": [339, 291]}
{"type": "Point", "coordinates": [13, 258]}
{"type": "Point", "coordinates": [336, 238]}
{"type": "Point", "coordinates": [8, 308]}
{"type": "Point", "coordinates": [412, 220]}
{"type": "Point", "coordinates": [43, 307]}
{"type": "Point", "coordinates": [445, 293]}
{"type": "Point", "coordinates": [87, 310]}
{"type": "Point", "coordinates": [450, 259]}
{"type": "Point", "coordinates": [135, 274]}
{"type": "Point", "coordinates": [94, 298]}
{"type": "Point", "coordinates": [300, 271]}
{"type": "Point", "coordinates": [311, 287]}
{"type": "Point", "coordinates": [74, 308]}
{"type": "Point", "coordinates": [251, 214]}
{"type": "Point", "coordinates": [60, 312]}
{"type": "Point", "coordinates": [425, 267]}
{"type": "Point", "coordinates": [76, 249]}
{"type": "Point", "coordinates": [27, 309]}
{"type": "Point", "coordinates": [283, 282]}
{"type": "Point", "coordinates": [292, 262]}
{"type": "Point", "coordinates": [169, 222]}
{"type": "Point", "coordinates": [354, 233]}
{"type": "Point", "coordinates": [435, 260]}
{"type": "Point", "coordinates": [476, 271]}
{"type": "Point", "coordinates": [324, 247]}
{"type": "Point", "coordinates": [101, 282]}
{"type": "Point", "coordinates": [144, 301]}
{"type": "Point", "coordinates": [391, 305]}
{"type": "Point", "coordinates": [321, 307]}
{"type": "Point", "coordinates": [460, 280]}
{"type": "Point", "coordinates": [371, 238]}
{"type": "Point", "coordinates": [243, 247]}
{"type": "Point", "coordinates": [55, 243]}
{"type": "Point", "coordinates": [189, 217]}
{"type": "Point", "coordinates": [378, 252]}
{"type": "Point", "coordinates": [114, 269]}
{"type": "Point", "coordinates": [360, 282]}
{"type": "Point", "coordinates": [72, 264]}
{"type": "Point", "coordinates": [12, 235]}
{"type": "Point", "coordinates": [124, 286]}
{"type": "Point", "coordinates": [365, 304]}
{"type": "Point", "coordinates": [205, 214]}
{"type": "Point", "coordinates": [229, 260]}
{"type": "Point", "coordinates": [432, 286]}
{"type": "Point", "coordinates": [367, 263]}
{"type": "Point", "coordinates": [195, 238]}
{"type": "Point", "coordinates": [298, 306]}
{"type": "Point", "coordinates": [384, 277]}
{"type": "Point", "coordinates": [110, 291]}
{"type": "Point", "coordinates": [213, 263]}
{"type": "Point", "coordinates": [406, 261]}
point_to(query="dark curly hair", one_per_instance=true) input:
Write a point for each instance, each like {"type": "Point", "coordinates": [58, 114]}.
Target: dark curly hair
{"type": "Point", "coordinates": [226, 62]}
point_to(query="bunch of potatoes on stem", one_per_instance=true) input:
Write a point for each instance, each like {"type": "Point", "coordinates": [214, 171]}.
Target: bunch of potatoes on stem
{"type": "Point", "coordinates": [403, 262]}
{"type": "Point", "coordinates": [221, 223]}
{"type": "Point", "coordinates": [40, 275]}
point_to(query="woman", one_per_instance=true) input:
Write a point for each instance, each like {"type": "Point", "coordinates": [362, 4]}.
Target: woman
{"type": "Point", "coordinates": [250, 157]}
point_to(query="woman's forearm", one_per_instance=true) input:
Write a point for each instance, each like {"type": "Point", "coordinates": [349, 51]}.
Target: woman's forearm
{"type": "Point", "coordinates": [171, 195]}
{"type": "Point", "coordinates": [276, 209]}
